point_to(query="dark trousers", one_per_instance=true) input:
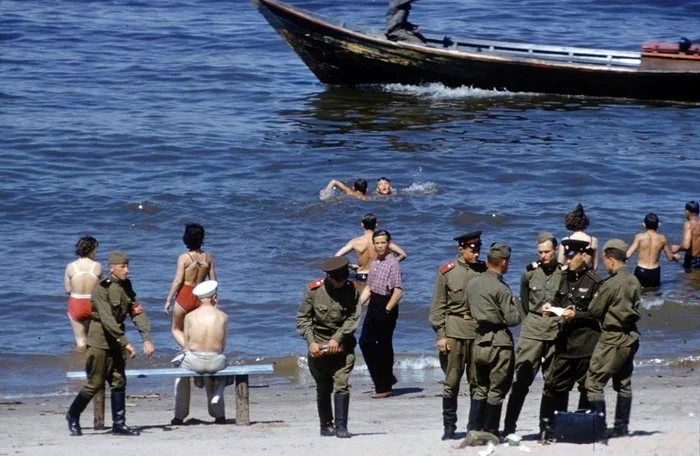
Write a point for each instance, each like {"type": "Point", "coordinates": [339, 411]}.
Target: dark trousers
{"type": "Point", "coordinates": [376, 341]}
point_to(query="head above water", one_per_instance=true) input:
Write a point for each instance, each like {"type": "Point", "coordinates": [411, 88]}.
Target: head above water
{"type": "Point", "coordinates": [85, 246]}
{"type": "Point", "coordinates": [360, 185]}
{"type": "Point", "coordinates": [384, 186]}
{"type": "Point", "coordinates": [576, 220]}
{"type": "Point", "coordinates": [693, 207]}
{"type": "Point", "coordinates": [194, 236]}
{"type": "Point", "coordinates": [369, 221]}
{"type": "Point", "coordinates": [651, 221]}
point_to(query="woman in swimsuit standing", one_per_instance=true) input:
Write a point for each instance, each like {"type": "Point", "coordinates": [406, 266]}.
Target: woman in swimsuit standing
{"type": "Point", "coordinates": [577, 221]}
{"type": "Point", "coordinates": [193, 267]}
{"type": "Point", "coordinates": [79, 279]}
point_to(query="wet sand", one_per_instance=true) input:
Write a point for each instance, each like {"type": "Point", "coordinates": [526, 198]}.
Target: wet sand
{"type": "Point", "coordinates": [665, 421]}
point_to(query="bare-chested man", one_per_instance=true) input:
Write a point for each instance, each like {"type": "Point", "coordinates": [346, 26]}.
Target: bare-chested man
{"type": "Point", "coordinates": [364, 250]}
{"type": "Point", "coordinates": [206, 329]}
{"type": "Point", "coordinates": [691, 236]}
{"type": "Point", "coordinates": [358, 190]}
{"type": "Point", "coordinates": [650, 245]}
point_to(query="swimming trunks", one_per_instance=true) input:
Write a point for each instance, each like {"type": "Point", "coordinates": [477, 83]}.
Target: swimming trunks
{"type": "Point", "coordinates": [648, 277]}
{"type": "Point", "coordinates": [79, 308]}
{"type": "Point", "coordinates": [186, 299]}
{"type": "Point", "coordinates": [361, 276]}
{"type": "Point", "coordinates": [691, 261]}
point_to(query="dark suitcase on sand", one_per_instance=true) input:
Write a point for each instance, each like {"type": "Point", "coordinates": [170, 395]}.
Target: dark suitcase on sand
{"type": "Point", "coordinates": [581, 426]}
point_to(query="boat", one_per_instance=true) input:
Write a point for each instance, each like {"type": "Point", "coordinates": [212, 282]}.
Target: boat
{"type": "Point", "coordinates": [344, 54]}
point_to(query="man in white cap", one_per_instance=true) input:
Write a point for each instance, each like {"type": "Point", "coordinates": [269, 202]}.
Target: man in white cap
{"type": "Point", "coordinates": [206, 329]}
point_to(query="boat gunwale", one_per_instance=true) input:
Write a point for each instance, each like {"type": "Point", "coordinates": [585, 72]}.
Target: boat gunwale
{"type": "Point", "coordinates": [369, 34]}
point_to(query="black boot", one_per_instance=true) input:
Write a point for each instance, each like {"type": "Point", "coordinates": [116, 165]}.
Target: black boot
{"type": "Point", "coordinates": [561, 401]}
{"type": "Point", "coordinates": [119, 414]}
{"type": "Point", "coordinates": [476, 415]}
{"type": "Point", "coordinates": [583, 402]}
{"type": "Point", "coordinates": [515, 405]}
{"type": "Point", "coordinates": [342, 405]}
{"type": "Point", "coordinates": [492, 418]}
{"type": "Point", "coordinates": [623, 408]}
{"type": "Point", "coordinates": [325, 416]}
{"type": "Point", "coordinates": [449, 417]}
{"type": "Point", "coordinates": [600, 428]}
{"type": "Point", "coordinates": [73, 416]}
{"type": "Point", "coordinates": [547, 407]}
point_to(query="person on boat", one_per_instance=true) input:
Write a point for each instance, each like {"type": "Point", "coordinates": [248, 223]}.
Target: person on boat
{"type": "Point", "coordinates": [358, 190]}
{"type": "Point", "coordinates": [691, 236]}
{"type": "Point", "coordinates": [577, 221]}
{"type": "Point", "coordinates": [193, 267]}
{"type": "Point", "coordinates": [384, 186]}
{"type": "Point", "coordinates": [80, 277]}
{"type": "Point", "coordinates": [650, 245]}
{"type": "Point", "coordinates": [397, 26]}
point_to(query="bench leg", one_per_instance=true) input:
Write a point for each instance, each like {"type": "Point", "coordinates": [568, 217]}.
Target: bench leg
{"type": "Point", "coordinates": [242, 401]}
{"type": "Point", "coordinates": [99, 409]}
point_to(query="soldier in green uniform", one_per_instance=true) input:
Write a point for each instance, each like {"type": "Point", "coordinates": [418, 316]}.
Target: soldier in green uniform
{"type": "Point", "coordinates": [454, 326]}
{"type": "Point", "coordinates": [617, 306]}
{"type": "Point", "coordinates": [577, 337]}
{"type": "Point", "coordinates": [327, 320]}
{"type": "Point", "coordinates": [113, 299]}
{"type": "Point", "coordinates": [493, 306]}
{"type": "Point", "coordinates": [538, 285]}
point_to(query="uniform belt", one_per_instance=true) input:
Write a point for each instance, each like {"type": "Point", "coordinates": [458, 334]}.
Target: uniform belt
{"type": "Point", "coordinates": [463, 316]}
{"type": "Point", "coordinates": [485, 327]}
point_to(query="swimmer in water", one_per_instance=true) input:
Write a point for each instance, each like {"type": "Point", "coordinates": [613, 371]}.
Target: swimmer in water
{"type": "Point", "coordinates": [358, 190]}
{"type": "Point", "coordinates": [384, 186]}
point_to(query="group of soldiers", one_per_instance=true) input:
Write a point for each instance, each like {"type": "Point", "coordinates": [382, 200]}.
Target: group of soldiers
{"type": "Point", "coordinates": [576, 327]}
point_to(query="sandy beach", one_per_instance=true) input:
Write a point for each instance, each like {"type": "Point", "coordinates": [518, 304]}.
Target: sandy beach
{"type": "Point", "coordinates": [665, 421]}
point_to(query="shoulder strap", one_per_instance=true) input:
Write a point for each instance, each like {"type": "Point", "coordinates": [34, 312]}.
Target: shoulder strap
{"type": "Point", "coordinates": [447, 267]}
{"type": "Point", "coordinates": [315, 284]}
{"type": "Point", "coordinates": [75, 268]}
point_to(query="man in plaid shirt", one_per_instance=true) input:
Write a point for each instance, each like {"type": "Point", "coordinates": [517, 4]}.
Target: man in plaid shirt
{"type": "Point", "coordinates": [384, 290]}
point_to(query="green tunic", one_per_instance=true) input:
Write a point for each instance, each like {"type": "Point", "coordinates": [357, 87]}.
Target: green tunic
{"type": "Point", "coordinates": [450, 307]}
{"type": "Point", "coordinates": [493, 306]}
{"type": "Point", "coordinates": [112, 301]}
{"type": "Point", "coordinates": [616, 305]}
{"type": "Point", "coordinates": [537, 288]}
{"type": "Point", "coordinates": [328, 313]}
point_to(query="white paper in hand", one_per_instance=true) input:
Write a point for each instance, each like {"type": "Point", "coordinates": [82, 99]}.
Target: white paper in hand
{"type": "Point", "coordinates": [558, 311]}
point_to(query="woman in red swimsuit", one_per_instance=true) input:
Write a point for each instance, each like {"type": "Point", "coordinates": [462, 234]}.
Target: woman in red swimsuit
{"type": "Point", "coordinates": [193, 267]}
{"type": "Point", "coordinates": [80, 278]}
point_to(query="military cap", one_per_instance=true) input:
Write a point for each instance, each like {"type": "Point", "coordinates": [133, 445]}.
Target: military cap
{"type": "Point", "coordinates": [618, 244]}
{"type": "Point", "coordinates": [206, 289]}
{"type": "Point", "coordinates": [499, 250]}
{"type": "Point", "coordinates": [472, 239]}
{"type": "Point", "coordinates": [546, 236]}
{"type": "Point", "coordinates": [117, 257]}
{"type": "Point", "coordinates": [575, 245]}
{"type": "Point", "coordinates": [334, 264]}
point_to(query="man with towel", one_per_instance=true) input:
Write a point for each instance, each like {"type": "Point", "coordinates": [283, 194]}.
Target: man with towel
{"type": "Point", "coordinates": [206, 329]}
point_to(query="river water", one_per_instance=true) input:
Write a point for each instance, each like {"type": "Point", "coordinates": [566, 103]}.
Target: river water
{"type": "Point", "coordinates": [127, 119]}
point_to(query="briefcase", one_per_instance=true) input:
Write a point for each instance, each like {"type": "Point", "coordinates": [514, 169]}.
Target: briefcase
{"type": "Point", "coordinates": [581, 426]}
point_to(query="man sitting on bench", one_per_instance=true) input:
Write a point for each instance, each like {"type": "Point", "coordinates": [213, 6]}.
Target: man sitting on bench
{"type": "Point", "coordinates": [206, 329]}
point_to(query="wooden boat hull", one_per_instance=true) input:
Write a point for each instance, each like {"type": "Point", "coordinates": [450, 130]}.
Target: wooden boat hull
{"type": "Point", "coordinates": [340, 55]}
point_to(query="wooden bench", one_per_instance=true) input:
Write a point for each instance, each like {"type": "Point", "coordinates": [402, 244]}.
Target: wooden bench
{"type": "Point", "coordinates": [240, 373]}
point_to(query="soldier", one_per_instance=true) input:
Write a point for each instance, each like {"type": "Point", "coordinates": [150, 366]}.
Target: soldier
{"type": "Point", "coordinates": [112, 300]}
{"type": "Point", "coordinates": [616, 305]}
{"type": "Point", "coordinates": [492, 305]}
{"type": "Point", "coordinates": [327, 320]}
{"type": "Point", "coordinates": [577, 337]}
{"type": "Point", "coordinates": [454, 326]}
{"type": "Point", "coordinates": [538, 285]}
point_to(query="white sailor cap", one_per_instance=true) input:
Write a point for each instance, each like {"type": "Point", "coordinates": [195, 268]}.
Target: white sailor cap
{"type": "Point", "coordinates": [206, 289]}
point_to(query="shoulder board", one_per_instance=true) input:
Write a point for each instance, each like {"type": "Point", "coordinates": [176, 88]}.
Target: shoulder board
{"type": "Point", "coordinates": [447, 267]}
{"type": "Point", "coordinates": [594, 276]}
{"type": "Point", "coordinates": [106, 283]}
{"type": "Point", "coordinates": [479, 266]}
{"type": "Point", "coordinates": [532, 266]}
{"type": "Point", "coordinates": [315, 284]}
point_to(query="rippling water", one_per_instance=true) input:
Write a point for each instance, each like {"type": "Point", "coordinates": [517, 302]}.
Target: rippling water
{"type": "Point", "coordinates": [126, 119]}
